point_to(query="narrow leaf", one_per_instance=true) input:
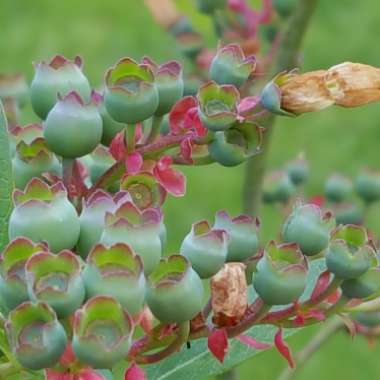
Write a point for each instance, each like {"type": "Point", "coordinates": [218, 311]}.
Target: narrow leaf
{"type": "Point", "coordinates": [6, 183]}
{"type": "Point", "coordinates": [283, 348]}
{"type": "Point", "coordinates": [321, 285]}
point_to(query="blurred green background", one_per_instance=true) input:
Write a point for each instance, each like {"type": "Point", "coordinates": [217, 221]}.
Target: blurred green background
{"type": "Point", "coordinates": [333, 140]}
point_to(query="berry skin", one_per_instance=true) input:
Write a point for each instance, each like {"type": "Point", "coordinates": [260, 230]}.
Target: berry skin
{"type": "Point", "coordinates": [175, 291]}
{"type": "Point", "coordinates": [338, 188]}
{"type": "Point", "coordinates": [364, 286]}
{"type": "Point", "coordinates": [367, 185]}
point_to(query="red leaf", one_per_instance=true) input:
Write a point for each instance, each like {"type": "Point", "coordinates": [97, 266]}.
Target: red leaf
{"type": "Point", "coordinates": [118, 148]}
{"type": "Point", "coordinates": [250, 342]}
{"type": "Point", "coordinates": [68, 356]}
{"type": "Point", "coordinates": [173, 181]}
{"type": "Point", "coordinates": [218, 344]}
{"type": "Point", "coordinates": [321, 285]}
{"type": "Point", "coordinates": [283, 348]}
{"type": "Point", "coordinates": [134, 162]}
{"type": "Point", "coordinates": [134, 373]}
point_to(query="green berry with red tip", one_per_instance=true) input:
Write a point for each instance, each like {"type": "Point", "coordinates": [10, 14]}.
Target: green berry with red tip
{"type": "Point", "coordinates": [230, 66]}
{"type": "Point", "coordinates": [278, 187]}
{"type": "Point", "coordinates": [243, 235]}
{"type": "Point", "coordinates": [117, 272]}
{"type": "Point", "coordinates": [281, 274]}
{"type": "Point", "coordinates": [338, 188]}
{"type": "Point", "coordinates": [56, 280]}
{"type": "Point", "coordinates": [36, 337]}
{"type": "Point", "coordinates": [350, 254]}
{"type": "Point", "coordinates": [131, 94]}
{"type": "Point", "coordinates": [139, 229]}
{"type": "Point", "coordinates": [59, 76]}
{"type": "Point", "coordinates": [73, 128]}
{"type": "Point", "coordinates": [175, 291]}
{"type": "Point", "coordinates": [169, 82]}
{"type": "Point", "coordinates": [218, 106]}
{"type": "Point", "coordinates": [309, 228]}
{"type": "Point", "coordinates": [32, 160]}
{"type": "Point", "coordinates": [44, 213]}
{"type": "Point", "coordinates": [364, 286]}
{"type": "Point", "coordinates": [102, 332]}
{"type": "Point", "coordinates": [92, 217]}
{"type": "Point", "coordinates": [367, 185]}
{"type": "Point", "coordinates": [237, 144]}
{"type": "Point", "coordinates": [206, 248]}
{"type": "Point", "coordinates": [13, 287]}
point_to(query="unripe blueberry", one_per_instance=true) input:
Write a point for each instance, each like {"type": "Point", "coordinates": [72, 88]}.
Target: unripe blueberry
{"type": "Point", "coordinates": [309, 228]}
{"type": "Point", "coordinates": [281, 274]}
{"type": "Point", "coordinates": [169, 82]}
{"type": "Point", "coordinates": [348, 213]}
{"type": "Point", "coordinates": [36, 337]}
{"type": "Point", "coordinates": [230, 66]}
{"type": "Point", "coordinates": [364, 286]}
{"type": "Point", "coordinates": [59, 76]}
{"type": "Point", "coordinates": [117, 272]}
{"type": "Point", "coordinates": [131, 95]}
{"type": "Point", "coordinates": [298, 170]}
{"type": "Point", "coordinates": [218, 105]}
{"type": "Point", "coordinates": [190, 44]}
{"type": "Point", "coordinates": [56, 280]}
{"type": "Point", "coordinates": [284, 7]}
{"type": "Point", "coordinates": [92, 217]}
{"type": "Point", "coordinates": [32, 160]}
{"type": "Point", "coordinates": [277, 187]}
{"type": "Point", "coordinates": [73, 128]}
{"type": "Point", "coordinates": [43, 213]}
{"type": "Point", "coordinates": [210, 6]}
{"type": "Point", "coordinates": [26, 133]}
{"type": "Point", "coordinates": [350, 254]}
{"type": "Point", "coordinates": [206, 248]}
{"type": "Point", "coordinates": [139, 229]}
{"type": "Point", "coordinates": [13, 289]}
{"type": "Point", "coordinates": [243, 235]}
{"type": "Point", "coordinates": [14, 86]}
{"type": "Point", "coordinates": [338, 188]}
{"type": "Point", "coordinates": [175, 291]}
{"type": "Point", "coordinates": [235, 145]}
{"type": "Point", "coordinates": [368, 319]}
{"type": "Point", "coordinates": [367, 185]}
{"type": "Point", "coordinates": [102, 332]}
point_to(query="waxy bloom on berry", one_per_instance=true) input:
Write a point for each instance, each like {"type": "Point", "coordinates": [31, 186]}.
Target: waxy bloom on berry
{"type": "Point", "coordinates": [59, 76]}
{"type": "Point", "coordinates": [36, 337]}
{"type": "Point", "coordinates": [298, 170]}
{"type": "Point", "coordinates": [367, 185]}
{"type": "Point", "coordinates": [278, 187]}
{"type": "Point", "coordinates": [131, 95]}
{"type": "Point", "coordinates": [169, 82]}
{"type": "Point", "coordinates": [281, 274]}
{"type": "Point", "coordinates": [73, 128]}
{"type": "Point", "coordinates": [218, 105]}
{"type": "Point", "coordinates": [206, 248]}
{"type": "Point", "coordinates": [350, 254]}
{"type": "Point", "coordinates": [32, 160]}
{"type": "Point", "coordinates": [102, 332]}
{"type": "Point", "coordinates": [364, 286]}
{"type": "Point", "coordinates": [13, 287]}
{"type": "Point", "coordinates": [56, 280]}
{"type": "Point", "coordinates": [43, 213]}
{"type": "Point", "coordinates": [175, 291]}
{"type": "Point", "coordinates": [139, 229]}
{"type": "Point", "coordinates": [230, 66]}
{"type": "Point", "coordinates": [338, 188]}
{"type": "Point", "coordinates": [309, 228]}
{"type": "Point", "coordinates": [243, 235]}
{"type": "Point", "coordinates": [117, 272]}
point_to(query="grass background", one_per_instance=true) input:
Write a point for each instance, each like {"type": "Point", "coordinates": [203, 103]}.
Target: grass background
{"type": "Point", "coordinates": [333, 140]}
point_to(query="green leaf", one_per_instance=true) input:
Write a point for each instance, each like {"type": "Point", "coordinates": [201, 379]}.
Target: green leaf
{"type": "Point", "coordinates": [196, 363]}
{"type": "Point", "coordinates": [6, 181]}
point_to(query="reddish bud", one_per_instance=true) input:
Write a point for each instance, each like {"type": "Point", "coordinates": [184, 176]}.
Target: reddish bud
{"type": "Point", "coordinates": [134, 373]}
